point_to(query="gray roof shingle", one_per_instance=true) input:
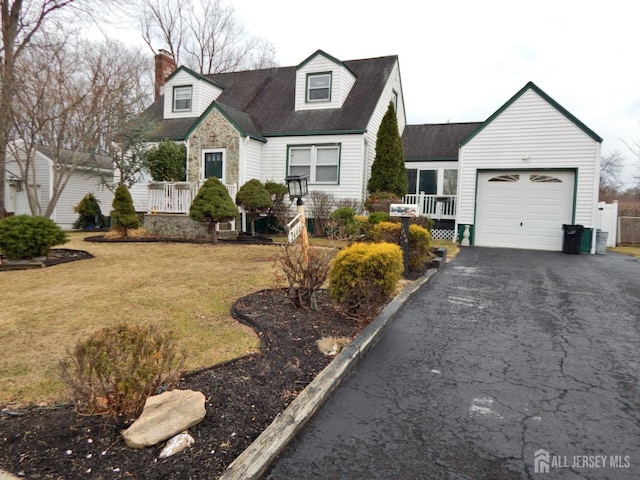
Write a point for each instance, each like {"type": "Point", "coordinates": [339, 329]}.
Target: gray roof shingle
{"type": "Point", "coordinates": [262, 102]}
{"type": "Point", "coordinates": [436, 141]}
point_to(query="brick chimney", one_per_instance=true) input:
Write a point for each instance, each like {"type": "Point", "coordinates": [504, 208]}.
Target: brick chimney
{"type": "Point", "coordinates": [165, 65]}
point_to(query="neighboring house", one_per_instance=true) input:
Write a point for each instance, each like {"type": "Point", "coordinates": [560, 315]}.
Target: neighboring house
{"type": "Point", "coordinates": [320, 117]}
{"type": "Point", "coordinates": [526, 171]}
{"type": "Point", "coordinates": [86, 178]}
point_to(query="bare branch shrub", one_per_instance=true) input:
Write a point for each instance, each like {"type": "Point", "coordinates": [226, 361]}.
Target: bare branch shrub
{"type": "Point", "coordinates": [320, 206]}
{"type": "Point", "coordinates": [304, 279]}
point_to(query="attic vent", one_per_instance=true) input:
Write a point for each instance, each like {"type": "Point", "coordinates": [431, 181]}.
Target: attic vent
{"type": "Point", "coordinates": [505, 178]}
{"type": "Point", "coordinates": [544, 179]}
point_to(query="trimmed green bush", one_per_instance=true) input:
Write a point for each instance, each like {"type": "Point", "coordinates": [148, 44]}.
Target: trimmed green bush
{"type": "Point", "coordinates": [377, 217]}
{"type": "Point", "coordinates": [116, 369]}
{"type": "Point", "coordinates": [420, 254]}
{"type": "Point", "coordinates": [24, 236]}
{"type": "Point", "coordinates": [363, 276]}
{"type": "Point", "coordinates": [90, 214]}
{"type": "Point", "coordinates": [255, 199]}
{"type": "Point", "coordinates": [213, 204]}
{"type": "Point", "coordinates": [123, 215]}
{"type": "Point", "coordinates": [167, 161]}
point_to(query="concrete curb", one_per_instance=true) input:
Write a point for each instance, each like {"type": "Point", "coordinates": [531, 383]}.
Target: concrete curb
{"type": "Point", "coordinates": [256, 459]}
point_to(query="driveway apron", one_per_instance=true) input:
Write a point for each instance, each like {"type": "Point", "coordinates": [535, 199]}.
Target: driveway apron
{"type": "Point", "coordinates": [508, 364]}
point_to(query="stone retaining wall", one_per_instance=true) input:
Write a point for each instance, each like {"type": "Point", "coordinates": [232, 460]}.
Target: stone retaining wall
{"type": "Point", "coordinates": [182, 226]}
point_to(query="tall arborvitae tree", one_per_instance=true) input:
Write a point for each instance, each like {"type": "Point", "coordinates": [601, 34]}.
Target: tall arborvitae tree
{"type": "Point", "coordinates": [213, 204]}
{"type": "Point", "coordinates": [388, 173]}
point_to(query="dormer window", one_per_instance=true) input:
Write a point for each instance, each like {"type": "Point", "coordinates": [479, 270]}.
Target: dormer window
{"type": "Point", "coordinates": [182, 98]}
{"type": "Point", "coordinates": [319, 87]}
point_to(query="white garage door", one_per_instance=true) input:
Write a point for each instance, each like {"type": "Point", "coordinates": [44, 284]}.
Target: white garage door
{"type": "Point", "coordinates": [523, 209]}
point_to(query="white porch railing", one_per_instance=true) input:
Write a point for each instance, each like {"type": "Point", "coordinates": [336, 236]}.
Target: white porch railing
{"type": "Point", "coordinates": [294, 229]}
{"type": "Point", "coordinates": [176, 197]}
{"type": "Point", "coordinates": [437, 207]}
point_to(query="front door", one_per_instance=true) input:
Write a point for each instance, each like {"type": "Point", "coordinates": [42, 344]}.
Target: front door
{"type": "Point", "coordinates": [214, 164]}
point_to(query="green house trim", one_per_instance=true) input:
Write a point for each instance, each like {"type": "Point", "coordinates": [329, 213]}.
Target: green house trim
{"type": "Point", "coordinates": [549, 100]}
{"type": "Point", "coordinates": [216, 106]}
{"type": "Point", "coordinates": [328, 57]}
{"type": "Point", "coordinates": [197, 76]}
{"type": "Point", "coordinates": [319, 132]}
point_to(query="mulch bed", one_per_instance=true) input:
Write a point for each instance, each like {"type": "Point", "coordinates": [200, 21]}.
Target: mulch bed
{"type": "Point", "coordinates": [243, 397]}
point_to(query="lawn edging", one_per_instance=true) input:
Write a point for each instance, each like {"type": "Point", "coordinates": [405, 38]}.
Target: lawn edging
{"type": "Point", "coordinates": [256, 459]}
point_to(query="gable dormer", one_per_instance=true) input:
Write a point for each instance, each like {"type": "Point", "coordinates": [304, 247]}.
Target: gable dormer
{"type": "Point", "coordinates": [188, 94]}
{"type": "Point", "coordinates": [322, 82]}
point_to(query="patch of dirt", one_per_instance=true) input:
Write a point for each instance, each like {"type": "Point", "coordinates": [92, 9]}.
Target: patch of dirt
{"type": "Point", "coordinates": [242, 398]}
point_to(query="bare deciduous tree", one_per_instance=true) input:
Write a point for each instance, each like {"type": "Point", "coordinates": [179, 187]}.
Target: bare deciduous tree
{"type": "Point", "coordinates": [21, 20]}
{"type": "Point", "coordinates": [83, 97]}
{"type": "Point", "coordinates": [611, 167]}
{"type": "Point", "coordinates": [203, 35]}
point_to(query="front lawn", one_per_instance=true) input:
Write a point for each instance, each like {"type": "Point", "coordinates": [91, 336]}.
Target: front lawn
{"type": "Point", "coordinates": [184, 287]}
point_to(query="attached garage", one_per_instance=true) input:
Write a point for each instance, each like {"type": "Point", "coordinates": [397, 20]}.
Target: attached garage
{"type": "Point", "coordinates": [530, 168]}
{"type": "Point", "coordinates": [524, 208]}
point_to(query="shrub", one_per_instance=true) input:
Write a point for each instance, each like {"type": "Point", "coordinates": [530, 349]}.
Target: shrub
{"type": "Point", "coordinates": [167, 161]}
{"type": "Point", "coordinates": [255, 199]}
{"type": "Point", "coordinates": [377, 217]}
{"type": "Point", "coordinates": [380, 201]}
{"type": "Point", "coordinates": [420, 254]}
{"type": "Point", "coordinates": [123, 215]}
{"type": "Point", "coordinates": [24, 236]}
{"type": "Point", "coordinates": [116, 369]}
{"type": "Point", "coordinates": [90, 214]}
{"type": "Point", "coordinates": [305, 278]}
{"type": "Point", "coordinates": [342, 223]}
{"type": "Point", "coordinates": [363, 276]}
{"type": "Point", "coordinates": [320, 206]}
{"type": "Point", "coordinates": [213, 204]}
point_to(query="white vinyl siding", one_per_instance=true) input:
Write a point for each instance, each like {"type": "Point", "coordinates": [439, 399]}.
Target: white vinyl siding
{"type": "Point", "coordinates": [341, 82]}
{"type": "Point", "coordinates": [203, 93]}
{"type": "Point", "coordinates": [81, 183]}
{"type": "Point", "coordinates": [274, 162]}
{"type": "Point", "coordinates": [250, 160]}
{"type": "Point", "coordinates": [531, 134]}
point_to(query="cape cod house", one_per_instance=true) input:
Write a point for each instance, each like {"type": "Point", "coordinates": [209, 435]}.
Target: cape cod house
{"type": "Point", "coordinates": [318, 118]}
{"type": "Point", "coordinates": [513, 180]}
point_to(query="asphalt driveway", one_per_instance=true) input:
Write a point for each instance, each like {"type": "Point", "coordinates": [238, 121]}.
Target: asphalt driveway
{"type": "Point", "coordinates": [505, 357]}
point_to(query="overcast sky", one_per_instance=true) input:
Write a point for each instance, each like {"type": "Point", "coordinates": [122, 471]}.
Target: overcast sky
{"type": "Point", "coordinates": [460, 60]}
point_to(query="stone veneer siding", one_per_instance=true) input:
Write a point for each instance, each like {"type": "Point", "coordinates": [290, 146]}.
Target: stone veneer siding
{"type": "Point", "coordinates": [182, 226]}
{"type": "Point", "coordinates": [215, 131]}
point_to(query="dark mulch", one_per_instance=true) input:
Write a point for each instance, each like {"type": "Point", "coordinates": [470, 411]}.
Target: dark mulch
{"type": "Point", "coordinates": [243, 397]}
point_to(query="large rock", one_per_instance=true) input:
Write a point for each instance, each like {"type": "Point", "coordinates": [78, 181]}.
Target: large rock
{"type": "Point", "coordinates": [164, 416]}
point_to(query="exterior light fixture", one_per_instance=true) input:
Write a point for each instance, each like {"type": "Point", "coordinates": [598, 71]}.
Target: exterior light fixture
{"type": "Point", "coordinates": [298, 186]}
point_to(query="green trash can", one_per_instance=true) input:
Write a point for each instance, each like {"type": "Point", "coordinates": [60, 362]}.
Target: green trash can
{"type": "Point", "coordinates": [572, 238]}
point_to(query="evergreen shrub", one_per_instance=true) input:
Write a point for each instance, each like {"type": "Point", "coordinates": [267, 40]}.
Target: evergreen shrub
{"type": "Point", "coordinates": [24, 236]}
{"type": "Point", "coordinates": [420, 254]}
{"type": "Point", "coordinates": [363, 276]}
{"type": "Point", "coordinates": [123, 215]}
{"type": "Point", "coordinates": [89, 213]}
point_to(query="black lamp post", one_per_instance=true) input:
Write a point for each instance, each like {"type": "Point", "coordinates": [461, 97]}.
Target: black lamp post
{"type": "Point", "coordinates": [298, 188]}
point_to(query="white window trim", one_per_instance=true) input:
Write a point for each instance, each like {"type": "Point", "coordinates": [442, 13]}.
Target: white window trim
{"type": "Point", "coordinates": [308, 89]}
{"type": "Point", "coordinates": [313, 165]}
{"type": "Point", "coordinates": [203, 153]}
{"type": "Point", "coordinates": [175, 89]}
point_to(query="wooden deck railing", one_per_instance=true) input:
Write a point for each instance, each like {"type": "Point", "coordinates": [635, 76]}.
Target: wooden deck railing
{"type": "Point", "coordinates": [437, 207]}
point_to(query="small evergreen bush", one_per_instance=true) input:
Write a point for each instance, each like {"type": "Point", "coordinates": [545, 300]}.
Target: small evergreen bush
{"type": "Point", "coordinates": [342, 223]}
{"type": "Point", "coordinates": [255, 199]}
{"type": "Point", "coordinates": [167, 161]}
{"type": "Point", "coordinates": [420, 254]}
{"type": "Point", "coordinates": [90, 214]}
{"type": "Point", "coordinates": [213, 204]}
{"type": "Point", "coordinates": [123, 215]}
{"type": "Point", "coordinates": [377, 217]}
{"type": "Point", "coordinates": [116, 369]}
{"type": "Point", "coordinates": [380, 201]}
{"type": "Point", "coordinates": [363, 276]}
{"type": "Point", "coordinates": [24, 236]}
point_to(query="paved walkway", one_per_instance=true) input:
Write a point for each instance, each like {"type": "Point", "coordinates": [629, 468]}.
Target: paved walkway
{"type": "Point", "coordinates": [503, 355]}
